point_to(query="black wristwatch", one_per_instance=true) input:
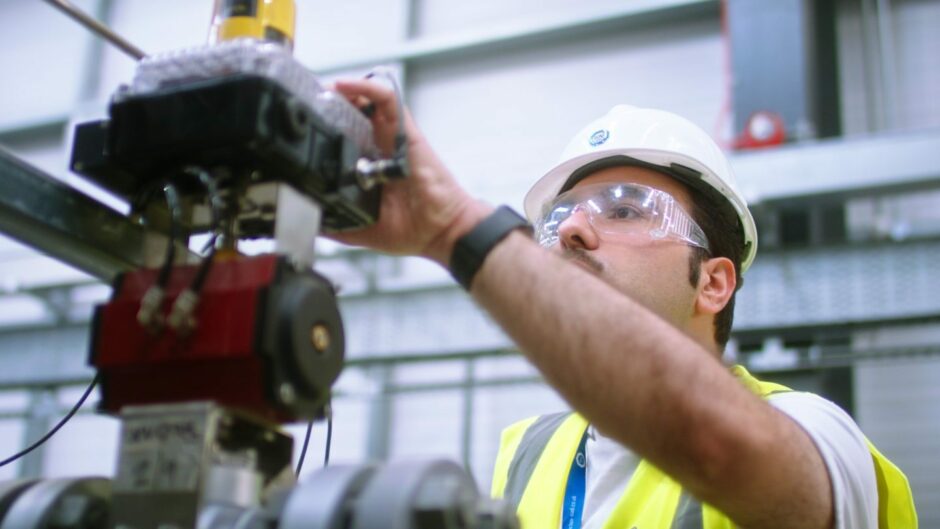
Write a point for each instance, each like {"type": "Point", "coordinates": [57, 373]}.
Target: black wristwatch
{"type": "Point", "coordinates": [471, 250]}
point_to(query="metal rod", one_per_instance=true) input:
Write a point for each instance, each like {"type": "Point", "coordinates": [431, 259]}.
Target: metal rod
{"type": "Point", "coordinates": [97, 27]}
{"type": "Point", "coordinates": [466, 423]}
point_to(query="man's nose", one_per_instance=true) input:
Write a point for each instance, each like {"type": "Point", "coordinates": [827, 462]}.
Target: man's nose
{"type": "Point", "coordinates": [577, 232]}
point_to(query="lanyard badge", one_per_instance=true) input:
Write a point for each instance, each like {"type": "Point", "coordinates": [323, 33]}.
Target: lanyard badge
{"type": "Point", "coordinates": [575, 491]}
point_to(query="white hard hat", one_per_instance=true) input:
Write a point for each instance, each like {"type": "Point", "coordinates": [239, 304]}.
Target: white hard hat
{"type": "Point", "coordinates": [661, 140]}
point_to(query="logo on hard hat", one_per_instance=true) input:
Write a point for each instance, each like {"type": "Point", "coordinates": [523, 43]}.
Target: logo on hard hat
{"type": "Point", "coordinates": [599, 137]}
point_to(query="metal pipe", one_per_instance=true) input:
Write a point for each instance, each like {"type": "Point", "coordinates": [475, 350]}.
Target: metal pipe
{"type": "Point", "coordinates": [54, 218]}
{"type": "Point", "coordinates": [466, 423]}
{"type": "Point", "coordinates": [98, 28]}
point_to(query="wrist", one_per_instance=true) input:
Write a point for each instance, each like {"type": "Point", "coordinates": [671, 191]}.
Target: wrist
{"type": "Point", "coordinates": [468, 217]}
{"type": "Point", "coordinates": [471, 250]}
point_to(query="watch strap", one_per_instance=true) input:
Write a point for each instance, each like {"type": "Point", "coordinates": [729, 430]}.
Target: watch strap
{"type": "Point", "coordinates": [471, 250]}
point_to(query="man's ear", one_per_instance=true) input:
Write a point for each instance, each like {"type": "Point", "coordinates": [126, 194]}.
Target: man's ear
{"type": "Point", "coordinates": [716, 285]}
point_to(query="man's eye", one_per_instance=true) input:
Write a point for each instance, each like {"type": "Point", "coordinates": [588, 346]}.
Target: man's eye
{"type": "Point", "coordinates": [624, 213]}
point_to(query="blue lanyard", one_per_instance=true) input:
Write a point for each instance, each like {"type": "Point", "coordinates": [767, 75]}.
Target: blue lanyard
{"type": "Point", "coordinates": [575, 490]}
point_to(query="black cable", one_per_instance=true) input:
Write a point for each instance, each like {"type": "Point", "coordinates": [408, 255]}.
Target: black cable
{"type": "Point", "coordinates": [329, 436]}
{"type": "Point", "coordinates": [203, 272]}
{"type": "Point", "coordinates": [328, 411]}
{"type": "Point", "coordinates": [150, 315]}
{"type": "Point", "coordinates": [176, 214]}
{"type": "Point", "coordinates": [216, 200]}
{"type": "Point", "coordinates": [303, 451]}
{"type": "Point", "coordinates": [181, 315]}
{"type": "Point", "coordinates": [56, 428]}
{"type": "Point", "coordinates": [217, 207]}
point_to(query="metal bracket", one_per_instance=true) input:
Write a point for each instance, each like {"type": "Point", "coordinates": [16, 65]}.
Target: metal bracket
{"type": "Point", "coordinates": [48, 215]}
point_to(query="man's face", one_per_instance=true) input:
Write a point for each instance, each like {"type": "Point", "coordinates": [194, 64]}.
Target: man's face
{"type": "Point", "coordinates": [654, 273]}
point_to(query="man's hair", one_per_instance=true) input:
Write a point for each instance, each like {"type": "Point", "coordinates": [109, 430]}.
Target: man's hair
{"type": "Point", "coordinates": [725, 240]}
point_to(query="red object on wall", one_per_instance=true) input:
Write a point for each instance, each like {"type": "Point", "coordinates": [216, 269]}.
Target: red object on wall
{"type": "Point", "coordinates": [763, 129]}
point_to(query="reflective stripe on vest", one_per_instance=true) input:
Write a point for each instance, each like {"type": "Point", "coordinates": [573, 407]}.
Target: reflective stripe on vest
{"type": "Point", "coordinates": [688, 514]}
{"type": "Point", "coordinates": [535, 457]}
{"type": "Point", "coordinates": [531, 446]}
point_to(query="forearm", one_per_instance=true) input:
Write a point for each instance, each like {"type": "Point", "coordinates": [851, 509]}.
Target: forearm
{"type": "Point", "coordinates": [640, 380]}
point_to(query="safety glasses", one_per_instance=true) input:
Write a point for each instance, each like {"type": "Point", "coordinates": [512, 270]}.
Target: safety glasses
{"type": "Point", "coordinates": [626, 211]}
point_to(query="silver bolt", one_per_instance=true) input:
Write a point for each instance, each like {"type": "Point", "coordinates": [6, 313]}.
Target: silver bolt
{"type": "Point", "coordinates": [320, 337]}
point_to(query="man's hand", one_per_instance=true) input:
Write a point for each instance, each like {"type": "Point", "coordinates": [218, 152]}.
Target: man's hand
{"type": "Point", "coordinates": [423, 214]}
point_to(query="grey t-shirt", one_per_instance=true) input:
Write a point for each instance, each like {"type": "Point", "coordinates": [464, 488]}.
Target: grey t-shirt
{"type": "Point", "coordinates": [840, 441]}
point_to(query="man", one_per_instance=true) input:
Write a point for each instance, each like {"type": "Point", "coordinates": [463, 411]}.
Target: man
{"type": "Point", "coordinates": [624, 317]}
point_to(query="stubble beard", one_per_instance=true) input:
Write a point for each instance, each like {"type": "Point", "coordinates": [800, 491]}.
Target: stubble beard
{"type": "Point", "coordinates": [584, 259]}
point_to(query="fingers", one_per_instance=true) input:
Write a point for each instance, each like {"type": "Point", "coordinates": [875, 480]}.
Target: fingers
{"type": "Point", "coordinates": [382, 102]}
{"type": "Point", "coordinates": [362, 92]}
{"type": "Point", "coordinates": [411, 129]}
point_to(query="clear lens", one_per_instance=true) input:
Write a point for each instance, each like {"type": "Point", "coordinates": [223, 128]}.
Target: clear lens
{"type": "Point", "coordinates": [622, 210]}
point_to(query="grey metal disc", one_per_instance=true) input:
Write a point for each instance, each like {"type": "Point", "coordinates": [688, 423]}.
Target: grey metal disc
{"type": "Point", "coordinates": [79, 503]}
{"type": "Point", "coordinates": [10, 491]}
{"type": "Point", "coordinates": [323, 500]}
{"type": "Point", "coordinates": [399, 490]}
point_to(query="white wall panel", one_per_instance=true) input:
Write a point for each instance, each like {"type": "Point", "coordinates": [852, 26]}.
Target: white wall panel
{"type": "Point", "coordinates": [912, 68]}
{"type": "Point", "coordinates": [11, 442]}
{"type": "Point", "coordinates": [502, 367]}
{"type": "Point", "coordinates": [918, 63]}
{"type": "Point", "coordinates": [13, 401]}
{"type": "Point", "coordinates": [433, 321]}
{"type": "Point", "coordinates": [896, 406]}
{"type": "Point", "coordinates": [453, 372]}
{"type": "Point", "coordinates": [330, 32]}
{"type": "Point", "coordinates": [440, 17]}
{"type": "Point", "coordinates": [22, 310]}
{"type": "Point", "coordinates": [426, 424]}
{"type": "Point", "coordinates": [855, 71]}
{"type": "Point", "coordinates": [153, 27]}
{"type": "Point", "coordinates": [86, 446]}
{"type": "Point", "coordinates": [26, 355]}
{"type": "Point", "coordinates": [500, 120]}
{"type": "Point", "coordinates": [42, 61]}
{"type": "Point", "coordinates": [498, 407]}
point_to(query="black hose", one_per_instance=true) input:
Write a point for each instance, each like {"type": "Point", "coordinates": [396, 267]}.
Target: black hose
{"type": "Point", "coordinates": [55, 428]}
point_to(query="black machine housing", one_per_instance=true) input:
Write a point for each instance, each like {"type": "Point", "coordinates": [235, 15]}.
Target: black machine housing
{"type": "Point", "coordinates": [245, 125]}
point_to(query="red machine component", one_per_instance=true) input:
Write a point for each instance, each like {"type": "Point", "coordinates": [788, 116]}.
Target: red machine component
{"type": "Point", "coordinates": [267, 339]}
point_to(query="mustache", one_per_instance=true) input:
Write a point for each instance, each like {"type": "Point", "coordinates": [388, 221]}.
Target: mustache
{"type": "Point", "coordinates": [580, 256]}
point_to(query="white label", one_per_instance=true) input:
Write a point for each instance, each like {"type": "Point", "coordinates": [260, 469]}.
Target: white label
{"type": "Point", "coordinates": [161, 454]}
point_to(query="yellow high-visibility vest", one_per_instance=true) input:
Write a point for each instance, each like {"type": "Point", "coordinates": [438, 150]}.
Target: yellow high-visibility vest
{"type": "Point", "coordinates": [535, 457]}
